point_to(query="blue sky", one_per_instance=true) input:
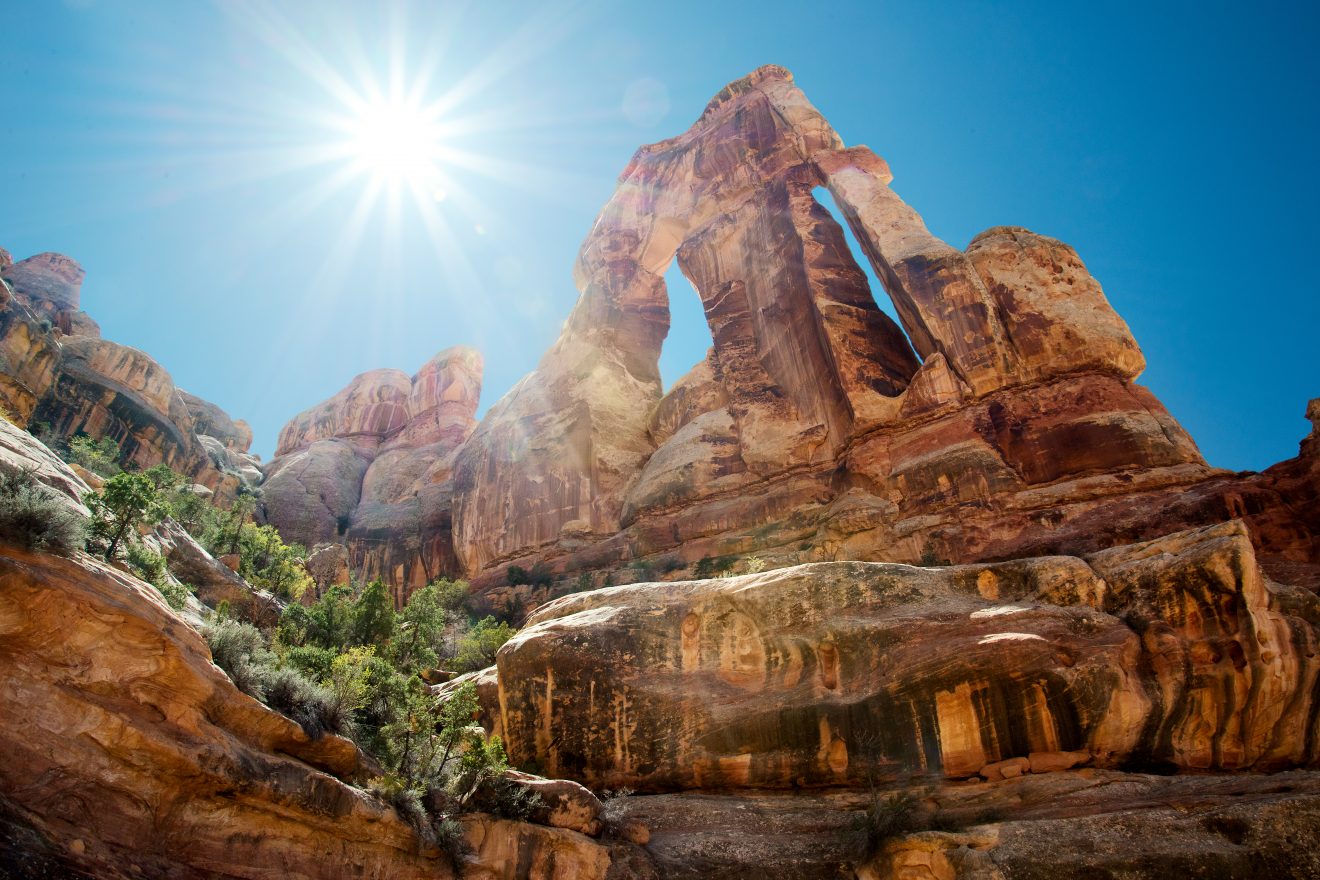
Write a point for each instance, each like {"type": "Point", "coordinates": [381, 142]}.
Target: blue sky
{"type": "Point", "coordinates": [169, 147]}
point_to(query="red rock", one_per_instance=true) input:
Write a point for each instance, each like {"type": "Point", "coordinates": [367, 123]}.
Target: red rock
{"type": "Point", "coordinates": [810, 431]}
{"type": "Point", "coordinates": [50, 279]}
{"type": "Point", "coordinates": [370, 468]}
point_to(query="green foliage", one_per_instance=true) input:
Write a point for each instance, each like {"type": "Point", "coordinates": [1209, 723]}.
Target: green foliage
{"type": "Point", "coordinates": [312, 705]}
{"type": "Point", "coordinates": [150, 567]}
{"type": "Point", "coordinates": [373, 615]}
{"type": "Point", "coordinates": [516, 575]}
{"type": "Point", "coordinates": [718, 566]}
{"type": "Point", "coordinates": [146, 564]}
{"type": "Point", "coordinates": [349, 662]}
{"type": "Point", "coordinates": [176, 594]}
{"type": "Point", "coordinates": [125, 503]}
{"type": "Point", "coordinates": [269, 564]}
{"type": "Point", "coordinates": [476, 649]}
{"type": "Point", "coordinates": [240, 650]}
{"type": "Point", "coordinates": [101, 457]}
{"type": "Point", "coordinates": [422, 626]}
{"type": "Point", "coordinates": [897, 814]}
{"type": "Point", "coordinates": [33, 516]}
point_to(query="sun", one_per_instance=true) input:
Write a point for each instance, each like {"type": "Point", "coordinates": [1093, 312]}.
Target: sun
{"type": "Point", "coordinates": [396, 142]}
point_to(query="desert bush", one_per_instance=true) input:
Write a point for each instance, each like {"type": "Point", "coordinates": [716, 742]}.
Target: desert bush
{"type": "Point", "coordinates": [900, 813]}
{"type": "Point", "coordinates": [101, 457]}
{"type": "Point", "coordinates": [476, 650]}
{"type": "Point", "coordinates": [126, 502]}
{"type": "Point", "coordinates": [32, 515]}
{"type": "Point", "coordinates": [240, 650]}
{"type": "Point", "coordinates": [669, 564]}
{"type": "Point", "coordinates": [310, 704]}
{"type": "Point", "coordinates": [146, 563]}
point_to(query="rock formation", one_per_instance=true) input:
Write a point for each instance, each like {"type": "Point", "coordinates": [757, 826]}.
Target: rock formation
{"type": "Point", "coordinates": [1009, 425]}
{"type": "Point", "coordinates": [1173, 653]}
{"type": "Point", "coordinates": [129, 754]}
{"type": "Point", "coordinates": [371, 468]}
{"type": "Point", "coordinates": [57, 373]}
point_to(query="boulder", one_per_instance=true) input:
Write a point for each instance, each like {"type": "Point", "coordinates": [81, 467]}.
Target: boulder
{"type": "Point", "coordinates": [1174, 653]}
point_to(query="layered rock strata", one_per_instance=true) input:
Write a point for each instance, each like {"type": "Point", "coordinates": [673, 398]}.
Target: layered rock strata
{"type": "Point", "coordinates": [130, 754]}
{"type": "Point", "coordinates": [57, 374]}
{"type": "Point", "coordinates": [371, 468]}
{"type": "Point", "coordinates": [1176, 653]}
{"type": "Point", "coordinates": [1001, 418]}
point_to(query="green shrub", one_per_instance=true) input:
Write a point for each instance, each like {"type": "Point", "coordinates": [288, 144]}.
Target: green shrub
{"type": "Point", "coordinates": [897, 814]}
{"type": "Point", "coordinates": [101, 457]}
{"type": "Point", "coordinates": [407, 802]}
{"type": "Point", "coordinates": [240, 650]}
{"type": "Point", "coordinates": [32, 515]}
{"type": "Point", "coordinates": [124, 503]}
{"type": "Point", "coordinates": [540, 575]}
{"type": "Point", "coordinates": [176, 594]}
{"type": "Point", "coordinates": [516, 575]}
{"type": "Point", "coordinates": [312, 705]}
{"type": "Point", "coordinates": [146, 564]}
{"type": "Point", "coordinates": [669, 564]}
{"type": "Point", "coordinates": [476, 650]}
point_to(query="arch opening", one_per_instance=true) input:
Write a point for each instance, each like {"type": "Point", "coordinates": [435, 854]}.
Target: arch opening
{"type": "Point", "coordinates": [879, 293]}
{"type": "Point", "coordinates": [689, 335]}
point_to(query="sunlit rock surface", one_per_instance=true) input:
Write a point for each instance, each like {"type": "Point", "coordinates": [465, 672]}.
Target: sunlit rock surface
{"type": "Point", "coordinates": [371, 468]}
{"type": "Point", "coordinates": [1176, 653]}
{"type": "Point", "coordinates": [57, 375]}
{"type": "Point", "coordinates": [998, 418]}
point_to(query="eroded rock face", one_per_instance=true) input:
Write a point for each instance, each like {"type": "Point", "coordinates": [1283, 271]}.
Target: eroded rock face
{"type": "Point", "coordinates": [51, 279]}
{"type": "Point", "coordinates": [1009, 425]}
{"type": "Point", "coordinates": [56, 373]}
{"type": "Point", "coordinates": [1176, 652]}
{"type": "Point", "coordinates": [371, 468]}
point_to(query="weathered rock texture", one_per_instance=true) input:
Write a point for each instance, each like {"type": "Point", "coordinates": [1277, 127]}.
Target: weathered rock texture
{"type": "Point", "coordinates": [371, 468]}
{"type": "Point", "coordinates": [129, 754]}
{"type": "Point", "coordinates": [1175, 653]}
{"type": "Point", "coordinates": [1075, 825]}
{"type": "Point", "coordinates": [57, 373]}
{"type": "Point", "coordinates": [1009, 425]}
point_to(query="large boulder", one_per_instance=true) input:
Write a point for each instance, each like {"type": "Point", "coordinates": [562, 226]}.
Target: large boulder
{"type": "Point", "coordinates": [1175, 653]}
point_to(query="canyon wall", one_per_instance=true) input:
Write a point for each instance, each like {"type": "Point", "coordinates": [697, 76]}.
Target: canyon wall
{"type": "Point", "coordinates": [60, 378]}
{"type": "Point", "coordinates": [371, 468]}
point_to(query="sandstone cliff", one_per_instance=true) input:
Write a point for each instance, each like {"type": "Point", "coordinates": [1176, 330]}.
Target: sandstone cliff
{"type": "Point", "coordinates": [371, 467]}
{"type": "Point", "coordinates": [128, 753]}
{"type": "Point", "coordinates": [1000, 420]}
{"type": "Point", "coordinates": [57, 372]}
